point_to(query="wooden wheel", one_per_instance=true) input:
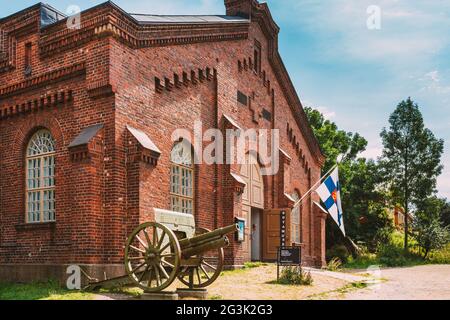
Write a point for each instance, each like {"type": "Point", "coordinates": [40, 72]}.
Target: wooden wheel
{"type": "Point", "coordinates": [210, 265]}
{"type": "Point", "coordinates": [152, 256]}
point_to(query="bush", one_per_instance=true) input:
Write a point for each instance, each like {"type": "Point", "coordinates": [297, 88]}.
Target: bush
{"type": "Point", "coordinates": [295, 276]}
{"type": "Point", "coordinates": [363, 261]}
{"type": "Point", "coordinates": [391, 255]}
{"type": "Point", "coordinates": [338, 251]}
{"type": "Point", "coordinates": [430, 234]}
{"type": "Point", "coordinates": [334, 264]}
{"type": "Point", "coordinates": [440, 256]}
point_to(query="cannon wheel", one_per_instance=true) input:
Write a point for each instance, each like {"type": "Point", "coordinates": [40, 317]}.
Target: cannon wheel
{"type": "Point", "coordinates": [210, 267]}
{"type": "Point", "coordinates": [152, 256]}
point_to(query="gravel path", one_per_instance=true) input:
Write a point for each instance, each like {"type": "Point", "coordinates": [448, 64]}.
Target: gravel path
{"type": "Point", "coordinates": [412, 283]}
{"type": "Point", "coordinates": [429, 282]}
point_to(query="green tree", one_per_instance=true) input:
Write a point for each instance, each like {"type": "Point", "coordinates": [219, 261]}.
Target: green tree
{"type": "Point", "coordinates": [411, 158]}
{"type": "Point", "coordinates": [430, 234]}
{"type": "Point", "coordinates": [429, 229]}
{"type": "Point", "coordinates": [333, 141]}
{"type": "Point", "coordinates": [445, 213]}
{"type": "Point", "coordinates": [364, 213]}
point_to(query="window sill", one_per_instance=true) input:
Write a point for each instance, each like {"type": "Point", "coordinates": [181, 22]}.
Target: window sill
{"type": "Point", "coordinates": [36, 226]}
{"type": "Point", "coordinates": [297, 244]}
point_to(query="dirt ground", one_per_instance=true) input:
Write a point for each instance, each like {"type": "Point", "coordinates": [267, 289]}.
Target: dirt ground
{"type": "Point", "coordinates": [428, 282]}
{"type": "Point", "coordinates": [420, 282]}
{"type": "Point", "coordinates": [255, 283]}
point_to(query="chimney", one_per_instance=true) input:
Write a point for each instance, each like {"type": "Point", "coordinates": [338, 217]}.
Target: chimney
{"type": "Point", "coordinates": [242, 8]}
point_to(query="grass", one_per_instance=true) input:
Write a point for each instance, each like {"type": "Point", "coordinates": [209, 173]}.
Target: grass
{"type": "Point", "coordinates": [341, 291]}
{"type": "Point", "coordinates": [247, 266]}
{"type": "Point", "coordinates": [257, 264]}
{"type": "Point", "coordinates": [134, 292]}
{"type": "Point", "coordinates": [40, 291]}
{"type": "Point", "coordinates": [393, 255]}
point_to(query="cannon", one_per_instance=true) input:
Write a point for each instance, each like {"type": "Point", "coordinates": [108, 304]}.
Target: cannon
{"type": "Point", "coordinates": [169, 248]}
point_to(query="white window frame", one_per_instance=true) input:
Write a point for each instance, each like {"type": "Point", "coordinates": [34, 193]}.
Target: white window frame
{"type": "Point", "coordinates": [296, 233]}
{"type": "Point", "coordinates": [182, 167]}
{"type": "Point", "coordinates": [43, 187]}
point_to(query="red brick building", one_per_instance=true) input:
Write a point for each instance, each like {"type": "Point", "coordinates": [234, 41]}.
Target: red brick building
{"type": "Point", "coordinates": [87, 108]}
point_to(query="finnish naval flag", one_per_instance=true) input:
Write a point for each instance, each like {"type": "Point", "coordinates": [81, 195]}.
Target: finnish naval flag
{"type": "Point", "coordinates": [330, 194]}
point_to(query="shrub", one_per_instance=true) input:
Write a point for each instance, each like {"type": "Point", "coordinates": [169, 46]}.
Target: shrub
{"type": "Point", "coordinates": [295, 276]}
{"type": "Point", "coordinates": [440, 256]}
{"type": "Point", "coordinates": [334, 264]}
{"type": "Point", "coordinates": [391, 255]}
{"type": "Point", "coordinates": [430, 234]}
{"type": "Point", "coordinates": [338, 251]}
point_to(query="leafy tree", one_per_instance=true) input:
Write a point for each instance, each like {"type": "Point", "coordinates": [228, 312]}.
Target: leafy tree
{"type": "Point", "coordinates": [333, 141]}
{"type": "Point", "coordinates": [445, 213]}
{"type": "Point", "coordinates": [361, 201]}
{"type": "Point", "coordinates": [430, 234]}
{"type": "Point", "coordinates": [428, 226]}
{"type": "Point", "coordinates": [411, 158]}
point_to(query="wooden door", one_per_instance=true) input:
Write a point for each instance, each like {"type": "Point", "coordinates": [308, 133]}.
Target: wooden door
{"type": "Point", "coordinates": [271, 232]}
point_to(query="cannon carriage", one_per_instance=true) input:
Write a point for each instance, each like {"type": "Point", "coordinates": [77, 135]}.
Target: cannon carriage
{"type": "Point", "coordinates": [169, 248]}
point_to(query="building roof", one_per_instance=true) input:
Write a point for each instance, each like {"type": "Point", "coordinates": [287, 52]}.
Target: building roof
{"type": "Point", "coordinates": [156, 19]}
{"type": "Point", "coordinates": [50, 15]}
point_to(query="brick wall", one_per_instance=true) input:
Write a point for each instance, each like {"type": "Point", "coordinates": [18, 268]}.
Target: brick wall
{"type": "Point", "coordinates": [104, 73]}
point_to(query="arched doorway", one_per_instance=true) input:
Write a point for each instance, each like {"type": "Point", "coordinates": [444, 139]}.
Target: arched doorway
{"type": "Point", "coordinates": [253, 205]}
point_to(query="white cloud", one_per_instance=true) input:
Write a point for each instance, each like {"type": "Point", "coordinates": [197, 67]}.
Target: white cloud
{"type": "Point", "coordinates": [443, 184]}
{"type": "Point", "coordinates": [372, 153]}
{"type": "Point", "coordinates": [410, 31]}
{"type": "Point", "coordinates": [327, 113]}
{"type": "Point", "coordinates": [432, 83]}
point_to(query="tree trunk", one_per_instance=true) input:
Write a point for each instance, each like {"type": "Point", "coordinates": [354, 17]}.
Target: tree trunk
{"type": "Point", "coordinates": [426, 253]}
{"type": "Point", "coordinates": [405, 178]}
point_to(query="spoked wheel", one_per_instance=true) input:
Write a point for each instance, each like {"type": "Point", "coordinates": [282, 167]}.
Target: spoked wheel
{"type": "Point", "coordinates": [210, 265]}
{"type": "Point", "coordinates": [152, 256]}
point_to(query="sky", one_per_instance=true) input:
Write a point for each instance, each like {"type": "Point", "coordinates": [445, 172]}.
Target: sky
{"type": "Point", "coordinates": [353, 73]}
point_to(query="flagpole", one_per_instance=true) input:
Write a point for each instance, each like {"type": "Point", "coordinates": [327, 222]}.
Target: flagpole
{"type": "Point", "coordinates": [315, 184]}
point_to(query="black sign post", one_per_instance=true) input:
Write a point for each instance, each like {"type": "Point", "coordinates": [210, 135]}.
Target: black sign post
{"type": "Point", "coordinates": [282, 228]}
{"type": "Point", "coordinates": [288, 256]}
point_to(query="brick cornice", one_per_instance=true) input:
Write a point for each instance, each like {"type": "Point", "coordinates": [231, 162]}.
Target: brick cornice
{"type": "Point", "coordinates": [51, 99]}
{"type": "Point", "coordinates": [178, 81]}
{"type": "Point", "coordinates": [43, 79]}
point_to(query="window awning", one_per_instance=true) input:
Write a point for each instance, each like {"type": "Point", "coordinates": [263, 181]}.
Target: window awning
{"type": "Point", "coordinates": [143, 139]}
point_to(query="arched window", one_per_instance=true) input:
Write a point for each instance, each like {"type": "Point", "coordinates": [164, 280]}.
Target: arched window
{"type": "Point", "coordinates": [182, 178]}
{"type": "Point", "coordinates": [40, 178]}
{"type": "Point", "coordinates": [295, 220]}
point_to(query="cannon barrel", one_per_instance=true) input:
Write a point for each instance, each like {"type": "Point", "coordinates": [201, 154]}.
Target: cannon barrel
{"type": "Point", "coordinates": [207, 237]}
{"type": "Point", "coordinates": [205, 246]}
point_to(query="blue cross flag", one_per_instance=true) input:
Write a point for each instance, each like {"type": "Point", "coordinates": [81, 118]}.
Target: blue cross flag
{"type": "Point", "coordinates": [330, 194]}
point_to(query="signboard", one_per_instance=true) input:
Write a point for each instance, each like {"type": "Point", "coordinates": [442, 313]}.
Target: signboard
{"type": "Point", "coordinates": [240, 234]}
{"type": "Point", "coordinates": [289, 255]}
{"type": "Point", "coordinates": [283, 228]}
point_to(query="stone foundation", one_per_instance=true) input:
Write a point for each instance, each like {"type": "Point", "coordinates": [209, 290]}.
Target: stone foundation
{"type": "Point", "coordinates": [25, 273]}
